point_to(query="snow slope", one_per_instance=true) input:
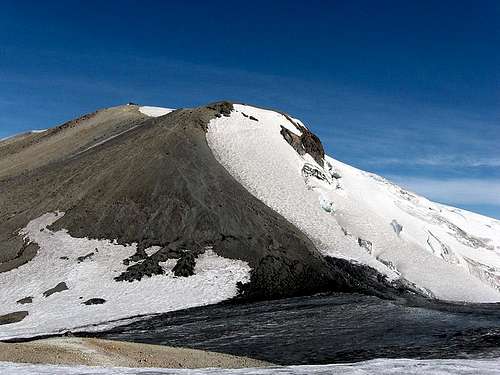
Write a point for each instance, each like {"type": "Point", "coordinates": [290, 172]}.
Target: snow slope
{"type": "Point", "coordinates": [378, 366]}
{"type": "Point", "coordinates": [93, 275]}
{"type": "Point", "coordinates": [447, 253]}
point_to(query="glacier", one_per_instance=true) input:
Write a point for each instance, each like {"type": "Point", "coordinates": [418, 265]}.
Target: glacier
{"type": "Point", "coordinates": [445, 252]}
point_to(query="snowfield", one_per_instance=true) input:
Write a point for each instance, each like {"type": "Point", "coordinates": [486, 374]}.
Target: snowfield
{"type": "Point", "coordinates": [88, 268]}
{"type": "Point", "coordinates": [154, 111]}
{"type": "Point", "coordinates": [378, 366]}
{"type": "Point", "coordinates": [445, 252]}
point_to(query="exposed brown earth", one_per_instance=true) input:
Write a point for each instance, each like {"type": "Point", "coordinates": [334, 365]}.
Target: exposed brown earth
{"type": "Point", "coordinates": [34, 150]}
{"type": "Point", "coordinates": [95, 352]}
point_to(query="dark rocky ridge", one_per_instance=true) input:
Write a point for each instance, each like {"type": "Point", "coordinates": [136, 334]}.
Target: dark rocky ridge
{"type": "Point", "coordinates": [306, 143]}
{"type": "Point", "coordinates": [159, 184]}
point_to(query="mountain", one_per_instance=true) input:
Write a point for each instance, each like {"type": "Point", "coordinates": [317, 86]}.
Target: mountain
{"type": "Point", "coordinates": [134, 210]}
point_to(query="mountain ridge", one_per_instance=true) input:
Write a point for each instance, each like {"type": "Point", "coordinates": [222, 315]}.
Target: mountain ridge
{"type": "Point", "coordinates": [172, 200]}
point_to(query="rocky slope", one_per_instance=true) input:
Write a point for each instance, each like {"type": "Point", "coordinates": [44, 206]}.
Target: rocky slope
{"type": "Point", "coordinates": [139, 210]}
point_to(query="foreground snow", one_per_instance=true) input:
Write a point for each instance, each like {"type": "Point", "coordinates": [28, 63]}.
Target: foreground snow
{"type": "Point", "coordinates": [378, 366]}
{"type": "Point", "coordinates": [154, 111]}
{"type": "Point", "coordinates": [93, 277]}
{"type": "Point", "coordinates": [445, 252]}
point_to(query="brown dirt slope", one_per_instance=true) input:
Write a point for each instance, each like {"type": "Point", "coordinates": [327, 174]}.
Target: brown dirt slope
{"type": "Point", "coordinates": [94, 352]}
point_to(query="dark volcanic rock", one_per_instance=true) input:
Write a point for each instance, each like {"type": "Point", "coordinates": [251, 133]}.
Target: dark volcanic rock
{"type": "Point", "coordinates": [282, 276]}
{"type": "Point", "coordinates": [307, 143]}
{"type": "Point", "coordinates": [353, 277]}
{"type": "Point", "coordinates": [14, 317]}
{"type": "Point", "coordinates": [313, 146]}
{"type": "Point", "coordinates": [61, 287]}
{"type": "Point", "coordinates": [27, 251]}
{"type": "Point", "coordinates": [185, 265]}
{"type": "Point", "coordinates": [85, 257]}
{"type": "Point", "coordinates": [25, 300]}
{"type": "Point", "coordinates": [94, 301]}
{"type": "Point", "coordinates": [221, 108]}
{"type": "Point", "coordinates": [277, 276]}
{"type": "Point", "coordinates": [147, 267]}
{"type": "Point", "coordinates": [168, 252]}
{"type": "Point", "coordinates": [293, 139]}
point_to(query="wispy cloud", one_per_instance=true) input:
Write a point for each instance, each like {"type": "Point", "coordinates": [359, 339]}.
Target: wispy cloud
{"type": "Point", "coordinates": [460, 191]}
{"type": "Point", "coordinates": [438, 161]}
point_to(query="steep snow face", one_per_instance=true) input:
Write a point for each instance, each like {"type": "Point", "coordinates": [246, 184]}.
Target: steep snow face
{"type": "Point", "coordinates": [87, 268]}
{"type": "Point", "coordinates": [445, 252]}
{"type": "Point", "coordinates": [154, 111]}
{"type": "Point", "coordinates": [378, 366]}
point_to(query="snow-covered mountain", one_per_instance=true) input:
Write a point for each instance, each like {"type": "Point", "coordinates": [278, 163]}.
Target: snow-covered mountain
{"type": "Point", "coordinates": [447, 252]}
{"type": "Point", "coordinates": [140, 210]}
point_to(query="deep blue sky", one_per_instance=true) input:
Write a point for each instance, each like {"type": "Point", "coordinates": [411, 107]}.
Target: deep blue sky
{"type": "Point", "coordinates": [406, 89]}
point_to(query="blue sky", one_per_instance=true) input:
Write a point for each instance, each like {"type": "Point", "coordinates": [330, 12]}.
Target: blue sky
{"type": "Point", "coordinates": [408, 90]}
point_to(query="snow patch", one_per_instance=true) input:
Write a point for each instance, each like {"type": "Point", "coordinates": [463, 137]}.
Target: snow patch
{"type": "Point", "coordinates": [214, 280]}
{"type": "Point", "coordinates": [154, 111]}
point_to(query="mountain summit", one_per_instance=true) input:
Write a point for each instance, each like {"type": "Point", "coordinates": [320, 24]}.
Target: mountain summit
{"type": "Point", "coordinates": [137, 210]}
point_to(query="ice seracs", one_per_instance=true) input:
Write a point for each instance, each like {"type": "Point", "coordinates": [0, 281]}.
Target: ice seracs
{"type": "Point", "coordinates": [447, 253]}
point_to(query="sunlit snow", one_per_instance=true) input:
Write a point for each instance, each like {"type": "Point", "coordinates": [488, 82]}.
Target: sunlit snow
{"type": "Point", "coordinates": [374, 367]}
{"type": "Point", "coordinates": [446, 252]}
{"type": "Point", "coordinates": [214, 281]}
{"type": "Point", "coordinates": [154, 111]}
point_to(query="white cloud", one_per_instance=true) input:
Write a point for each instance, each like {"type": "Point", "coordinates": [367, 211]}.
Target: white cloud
{"type": "Point", "coordinates": [454, 191]}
